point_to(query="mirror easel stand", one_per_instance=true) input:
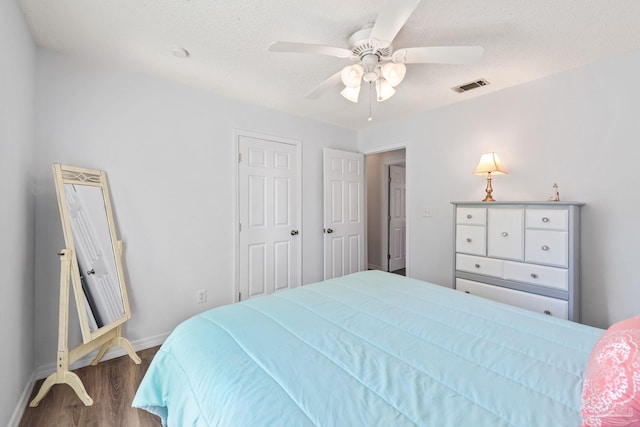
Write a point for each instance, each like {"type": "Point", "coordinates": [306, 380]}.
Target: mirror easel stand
{"type": "Point", "coordinates": [99, 287]}
{"type": "Point", "coordinates": [65, 356]}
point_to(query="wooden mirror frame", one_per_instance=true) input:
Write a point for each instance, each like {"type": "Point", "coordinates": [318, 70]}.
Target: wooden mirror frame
{"type": "Point", "coordinates": [94, 178]}
{"type": "Point", "coordinates": [107, 336]}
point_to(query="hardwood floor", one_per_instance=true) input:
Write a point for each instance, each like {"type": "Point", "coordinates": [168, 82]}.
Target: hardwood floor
{"type": "Point", "coordinates": [401, 272]}
{"type": "Point", "coordinates": [112, 385]}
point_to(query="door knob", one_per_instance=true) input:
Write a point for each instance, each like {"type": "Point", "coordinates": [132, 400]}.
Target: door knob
{"type": "Point", "coordinates": [329, 231]}
{"type": "Point", "coordinates": [294, 232]}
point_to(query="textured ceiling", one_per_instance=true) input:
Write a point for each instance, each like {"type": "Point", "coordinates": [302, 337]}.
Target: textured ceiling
{"type": "Point", "coordinates": [228, 43]}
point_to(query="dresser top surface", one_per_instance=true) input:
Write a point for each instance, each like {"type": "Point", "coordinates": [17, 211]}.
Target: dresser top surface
{"type": "Point", "coordinates": [536, 203]}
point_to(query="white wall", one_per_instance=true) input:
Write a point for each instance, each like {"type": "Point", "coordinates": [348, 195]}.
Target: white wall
{"type": "Point", "coordinates": [17, 211]}
{"type": "Point", "coordinates": [377, 166]}
{"type": "Point", "coordinates": [579, 129]}
{"type": "Point", "coordinates": [169, 155]}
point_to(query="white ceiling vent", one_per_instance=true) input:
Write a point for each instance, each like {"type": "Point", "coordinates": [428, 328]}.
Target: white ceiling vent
{"type": "Point", "coordinates": [471, 85]}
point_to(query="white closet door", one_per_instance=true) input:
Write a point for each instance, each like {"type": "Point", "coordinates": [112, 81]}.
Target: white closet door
{"type": "Point", "coordinates": [344, 222]}
{"type": "Point", "coordinates": [269, 238]}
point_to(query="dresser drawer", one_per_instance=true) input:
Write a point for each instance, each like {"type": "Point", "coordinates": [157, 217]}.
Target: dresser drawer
{"type": "Point", "coordinates": [479, 265]}
{"type": "Point", "coordinates": [547, 247]}
{"type": "Point", "coordinates": [549, 277]}
{"type": "Point", "coordinates": [548, 219]}
{"type": "Point", "coordinates": [538, 303]}
{"type": "Point", "coordinates": [471, 216]}
{"type": "Point", "coordinates": [471, 239]}
{"type": "Point", "coordinates": [505, 233]}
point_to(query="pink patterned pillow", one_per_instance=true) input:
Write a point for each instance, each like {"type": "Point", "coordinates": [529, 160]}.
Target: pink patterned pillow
{"type": "Point", "coordinates": [611, 388]}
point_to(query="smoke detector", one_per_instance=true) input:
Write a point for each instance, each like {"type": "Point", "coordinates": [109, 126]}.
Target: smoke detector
{"type": "Point", "coordinates": [179, 52]}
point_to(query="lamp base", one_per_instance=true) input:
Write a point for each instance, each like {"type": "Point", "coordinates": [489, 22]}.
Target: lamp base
{"type": "Point", "coordinates": [489, 190]}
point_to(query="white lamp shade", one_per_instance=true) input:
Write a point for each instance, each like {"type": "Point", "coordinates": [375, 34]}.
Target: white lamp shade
{"type": "Point", "coordinates": [489, 164]}
{"type": "Point", "coordinates": [352, 75]}
{"type": "Point", "coordinates": [351, 93]}
{"type": "Point", "coordinates": [394, 73]}
{"type": "Point", "coordinates": [384, 90]}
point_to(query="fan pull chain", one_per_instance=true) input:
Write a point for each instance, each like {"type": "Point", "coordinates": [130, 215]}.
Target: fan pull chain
{"type": "Point", "coordinates": [370, 96]}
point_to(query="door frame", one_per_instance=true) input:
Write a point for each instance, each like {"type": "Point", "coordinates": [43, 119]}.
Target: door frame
{"type": "Point", "coordinates": [237, 133]}
{"type": "Point", "coordinates": [408, 165]}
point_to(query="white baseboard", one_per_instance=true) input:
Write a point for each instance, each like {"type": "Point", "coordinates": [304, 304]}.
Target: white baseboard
{"type": "Point", "coordinates": [22, 402]}
{"type": "Point", "coordinates": [375, 267]}
{"type": "Point", "coordinates": [48, 369]}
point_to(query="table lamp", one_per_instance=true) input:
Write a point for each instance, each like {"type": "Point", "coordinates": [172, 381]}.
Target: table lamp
{"type": "Point", "coordinates": [489, 165]}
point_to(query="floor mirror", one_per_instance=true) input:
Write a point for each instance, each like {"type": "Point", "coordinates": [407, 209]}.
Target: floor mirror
{"type": "Point", "coordinates": [91, 264]}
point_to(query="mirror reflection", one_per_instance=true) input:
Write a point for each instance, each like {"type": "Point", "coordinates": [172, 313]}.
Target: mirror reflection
{"type": "Point", "coordinates": [95, 254]}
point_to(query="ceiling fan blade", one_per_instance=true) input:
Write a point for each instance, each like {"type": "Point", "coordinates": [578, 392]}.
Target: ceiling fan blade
{"type": "Point", "coordinates": [292, 47]}
{"type": "Point", "coordinates": [391, 18]}
{"type": "Point", "coordinates": [439, 55]}
{"type": "Point", "coordinates": [325, 86]}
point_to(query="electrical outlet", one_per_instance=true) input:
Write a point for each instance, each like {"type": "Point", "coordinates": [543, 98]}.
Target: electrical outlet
{"type": "Point", "coordinates": [201, 296]}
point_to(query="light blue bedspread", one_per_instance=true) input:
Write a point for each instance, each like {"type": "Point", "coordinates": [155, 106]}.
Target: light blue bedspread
{"type": "Point", "coordinates": [369, 349]}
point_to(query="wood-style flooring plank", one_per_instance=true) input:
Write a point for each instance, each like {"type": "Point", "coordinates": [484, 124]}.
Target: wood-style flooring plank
{"type": "Point", "coordinates": [112, 385]}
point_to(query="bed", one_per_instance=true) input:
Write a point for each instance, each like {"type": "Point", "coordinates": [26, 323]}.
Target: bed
{"type": "Point", "coordinates": [369, 349]}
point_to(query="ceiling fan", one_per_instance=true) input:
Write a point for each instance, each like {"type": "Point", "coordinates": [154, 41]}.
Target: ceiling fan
{"type": "Point", "coordinates": [375, 60]}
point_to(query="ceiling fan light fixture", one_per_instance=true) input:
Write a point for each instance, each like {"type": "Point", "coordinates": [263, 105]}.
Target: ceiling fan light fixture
{"type": "Point", "coordinates": [371, 76]}
{"type": "Point", "coordinates": [375, 60]}
{"type": "Point", "coordinates": [394, 73]}
{"type": "Point", "coordinates": [384, 90]}
{"type": "Point", "coordinates": [351, 75]}
{"type": "Point", "coordinates": [351, 93]}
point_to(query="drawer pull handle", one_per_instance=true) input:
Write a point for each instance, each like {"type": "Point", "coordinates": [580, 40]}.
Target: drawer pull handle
{"type": "Point", "coordinates": [545, 248]}
{"type": "Point", "coordinates": [547, 312]}
{"type": "Point", "coordinates": [534, 275]}
{"type": "Point", "coordinates": [468, 240]}
{"type": "Point", "coordinates": [545, 219]}
{"type": "Point", "coordinates": [477, 265]}
{"type": "Point", "coordinates": [469, 216]}
{"type": "Point", "coordinates": [504, 234]}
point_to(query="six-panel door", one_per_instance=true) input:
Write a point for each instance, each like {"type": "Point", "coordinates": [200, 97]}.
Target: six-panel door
{"type": "Point", "coordinates": [269, 217]}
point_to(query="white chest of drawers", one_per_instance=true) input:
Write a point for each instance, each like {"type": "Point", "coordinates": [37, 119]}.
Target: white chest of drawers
{"type": "Point", "coordinates": [525, 254]}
